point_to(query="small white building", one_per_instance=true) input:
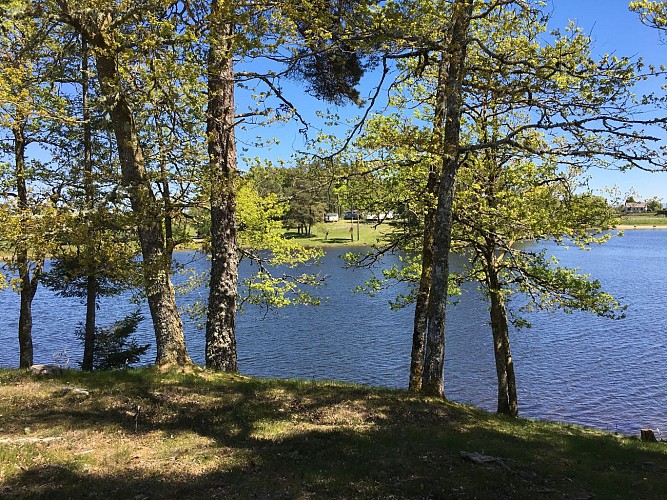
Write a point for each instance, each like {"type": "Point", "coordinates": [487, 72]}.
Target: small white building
{"type": "Point", "coordinates": [331, 217]}
{"type": "Point", "coordinates": [632, 207]}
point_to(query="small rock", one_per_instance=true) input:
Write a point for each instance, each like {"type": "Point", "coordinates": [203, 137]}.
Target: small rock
{"type": "Point", "coordinates": [76, 391]}
{"type": "Point", "coordinates": [46, 370]}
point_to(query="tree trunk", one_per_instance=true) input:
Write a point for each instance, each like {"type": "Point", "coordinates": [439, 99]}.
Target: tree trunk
{"type": "Point", "coordinates": [25, 319]}
{"type": "Point", "coordinates": [89, 333]}
{"type": "Point", "coordinates": [507, 398]}
{"type": "Point", "coordinates": [168, 206]}
{"type": "Point", "coordinates": [220, 324]}
{"type": "Point", "coordinates": [434, 358]}
{"type": "Point", "coordinates": [170, 342]}
{"type": "Point", "coordinates": [91, 279]}
{"type": "Point", "coordinates": [420, 322]}
{"type": "Point", "coordinates": [28, 284]}
{"type": "Point", "coordinates": [421, 305]}
{"type": "Point", "coordinates": [433, 383]}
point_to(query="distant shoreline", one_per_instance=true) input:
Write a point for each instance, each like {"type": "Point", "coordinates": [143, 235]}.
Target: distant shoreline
{"type": "Point", "coordinates": [629, 227]}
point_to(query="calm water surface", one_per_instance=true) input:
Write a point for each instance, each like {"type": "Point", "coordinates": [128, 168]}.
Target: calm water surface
{"type": "Point", "coordinates": [574, 368]}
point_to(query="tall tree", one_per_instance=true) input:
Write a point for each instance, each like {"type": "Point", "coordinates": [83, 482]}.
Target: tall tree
{"type": "Point", "coordinates": [89, 187]}
{"type": "Point", "coordinates": [27, 108]}
{"type": "Point", "coordinates": [448, 106]}
{"type": "Point", "coordinates": [583, 105]}
{"type": "Point", "coordinates": [311, 38]}
{"type": "Point", "coordinates": [506, 197]}
{"type": "Point", "coordinates": [105, 31]}
{"type": "Point", "coordinates": [220, 325]}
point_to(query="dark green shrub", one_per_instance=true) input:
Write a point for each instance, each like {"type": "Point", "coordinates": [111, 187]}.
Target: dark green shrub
{"type": "Point", "coordinates": [113, 347]}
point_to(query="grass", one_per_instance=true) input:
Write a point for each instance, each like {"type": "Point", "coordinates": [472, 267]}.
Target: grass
{"type": "Point", "coordinates": [330, 234]}
{"type": "Point", "coordinates": [644, 220]}
{"type": "Point", "coordinates": [146, 434]}
{"type": "Point", "coordinates": [338, 234]}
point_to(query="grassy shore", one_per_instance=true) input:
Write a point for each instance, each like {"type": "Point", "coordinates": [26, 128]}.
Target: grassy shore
{"type": "Point", "coordinates": [642, 221]}
{"type": "Point", "coordinates": [343, 233]}
{"type": "Point", "coordinates": [144, 434]}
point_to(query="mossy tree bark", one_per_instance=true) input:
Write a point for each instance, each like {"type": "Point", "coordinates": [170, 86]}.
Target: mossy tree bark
{"type": "Point", "coordinates": [434, 358]}
{"type": "Point", "coordinates": [220, 325]}
{"type": "Point", "coordinates": [507, 398]}
{"type": "Point", "coordinates": [430, 225]}
{"type": "Point", "coordinates": [167, 323]}
{"type": "Point", "coordinates": [102, 35]}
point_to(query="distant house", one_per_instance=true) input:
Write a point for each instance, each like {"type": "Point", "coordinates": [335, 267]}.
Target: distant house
{"type": "Point", "coordinates": [632, 207]}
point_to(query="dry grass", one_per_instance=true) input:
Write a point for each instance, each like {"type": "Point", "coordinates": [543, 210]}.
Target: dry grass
{"type": "Point", "coordinates": [144, 434]}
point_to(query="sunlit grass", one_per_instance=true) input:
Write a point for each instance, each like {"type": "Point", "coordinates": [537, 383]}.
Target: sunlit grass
{"type": "Point", "coordinates": [147, 434]}
{"type": "Point", "coordinates": [343, 233]}
{"type": "Point", "coordinates": [647, 219]}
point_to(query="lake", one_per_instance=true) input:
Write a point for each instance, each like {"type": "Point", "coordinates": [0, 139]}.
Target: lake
{"type": "Point", "coordinates": [611, 374]}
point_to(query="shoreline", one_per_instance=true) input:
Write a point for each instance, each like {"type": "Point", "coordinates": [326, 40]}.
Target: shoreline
{"type": "Point", "coordinates": [196, 243]}
{"type": "Point", "coordinates": [630, 227]}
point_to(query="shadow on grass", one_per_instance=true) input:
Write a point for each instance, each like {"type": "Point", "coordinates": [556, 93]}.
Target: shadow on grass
{"type": "Point", "coordinates": [338, 240]}
{"type": "Point", "coordinates": [291, 235]}
{"type": "Point", "coordinates": [290, 439]}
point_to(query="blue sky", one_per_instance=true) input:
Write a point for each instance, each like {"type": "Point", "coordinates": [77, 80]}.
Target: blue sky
{"type": "Point", "coordinates": [613, 28]}
{"type": "Point", "coordinates": [616, 30]}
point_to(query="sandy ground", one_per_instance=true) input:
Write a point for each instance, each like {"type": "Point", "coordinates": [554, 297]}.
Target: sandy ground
{"type": "Point", "coordinates": [625, 227]}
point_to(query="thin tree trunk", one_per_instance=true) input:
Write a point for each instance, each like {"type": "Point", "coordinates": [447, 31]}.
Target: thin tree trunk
{"type": "Point", "coordinates": [168, 207]}
{"type": "Point", "coordinates": [168, 213]}
{"type": "Point", "coordinates": [28, 284]}
{"type": "Point", "coordinates": [421, 306]}
{"type": "Point", "coordinates": [511, 379]}
{"type": "Point", "coordinates": [156, 264]}
{"type": "Point", "coordinates": [420, 319]}
{"type": "Point", "coordinates": [433, 383]}
{"type": "Point", "coordinates": [434, 358]}
{"type": "Point", "coordinates": [220, 324]}
{"type": "Point", "coordinates": [507, 398]}
{"type": "Point", "coordinates": [28, 289]}
{"type": "Point", "coordinates": [89, 334]}
{"type": "Point", "coordinates": [91, 279]}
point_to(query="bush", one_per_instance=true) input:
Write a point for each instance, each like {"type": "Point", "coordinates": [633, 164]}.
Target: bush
{"type": "Point", "coordinates": [112, 348]}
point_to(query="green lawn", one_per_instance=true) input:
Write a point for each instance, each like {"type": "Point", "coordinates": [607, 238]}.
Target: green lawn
{"type": "Point", "coordinates": [146, 434]}
{"type": "Point", "coordinates": [343, 233]}
{"type": "Point", "coordinates": [646, 219]}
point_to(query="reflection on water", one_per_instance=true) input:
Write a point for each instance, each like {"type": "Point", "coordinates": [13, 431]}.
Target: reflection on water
{"type": "Point", "coordinates": [574, 368]}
